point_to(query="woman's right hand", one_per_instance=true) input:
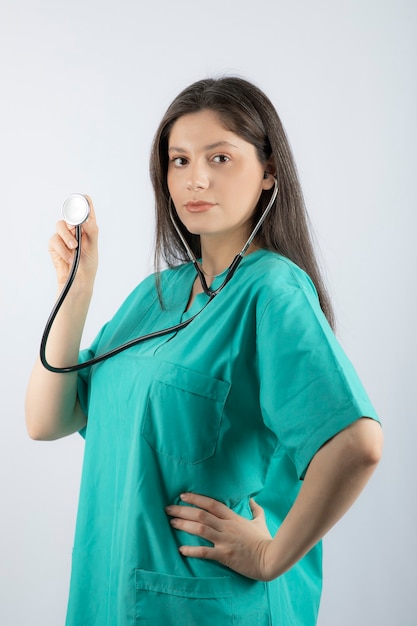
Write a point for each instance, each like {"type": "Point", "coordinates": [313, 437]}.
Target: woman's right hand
{"type": "Point", "coordinates": [62, 249]}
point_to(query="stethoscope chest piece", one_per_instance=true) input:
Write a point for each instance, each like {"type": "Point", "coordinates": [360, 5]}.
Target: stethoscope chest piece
{"type": "Point", "coordinates": [75, 209]}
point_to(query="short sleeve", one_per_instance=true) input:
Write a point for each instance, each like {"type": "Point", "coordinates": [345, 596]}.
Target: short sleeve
{"type": "Point", "coordinates": [309, 390]}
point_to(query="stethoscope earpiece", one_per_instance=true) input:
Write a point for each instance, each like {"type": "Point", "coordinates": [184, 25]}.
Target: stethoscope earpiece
{"type": "Point", "coordinates": [75, 209]}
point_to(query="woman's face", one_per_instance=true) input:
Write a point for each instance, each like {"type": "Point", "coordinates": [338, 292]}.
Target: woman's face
{"type": "Point", "coordinates": [214, 177]}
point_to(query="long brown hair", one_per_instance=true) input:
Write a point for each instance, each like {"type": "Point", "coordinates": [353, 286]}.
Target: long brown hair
{"type": "Point", "coordinates": [247, 111]}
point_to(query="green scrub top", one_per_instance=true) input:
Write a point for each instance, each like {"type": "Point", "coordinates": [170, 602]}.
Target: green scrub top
{"type": "Point", "coordinates": [234, 406]}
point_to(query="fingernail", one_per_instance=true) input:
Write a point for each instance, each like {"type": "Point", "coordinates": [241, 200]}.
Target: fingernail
{"type": "Point", "coordinates": [72, 244]}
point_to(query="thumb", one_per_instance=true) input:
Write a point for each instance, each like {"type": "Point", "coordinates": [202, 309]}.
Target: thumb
{"type": "Point", "coordinates": [257, 510]}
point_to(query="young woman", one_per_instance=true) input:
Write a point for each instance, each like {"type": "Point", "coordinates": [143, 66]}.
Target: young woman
{"type": "Point", "coordinates": [217, 456]}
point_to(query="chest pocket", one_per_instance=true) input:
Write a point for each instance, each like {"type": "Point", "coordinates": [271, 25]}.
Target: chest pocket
{"type": "Point", "coordinates": [183, 413]}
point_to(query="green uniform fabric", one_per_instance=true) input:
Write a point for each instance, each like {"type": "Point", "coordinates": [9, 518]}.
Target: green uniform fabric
{"type": "Point", "coordinates": [233, 407]}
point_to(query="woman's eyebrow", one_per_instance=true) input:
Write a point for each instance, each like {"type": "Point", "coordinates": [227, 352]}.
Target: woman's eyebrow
{"type": "Point", "coordinates": [211, 146]}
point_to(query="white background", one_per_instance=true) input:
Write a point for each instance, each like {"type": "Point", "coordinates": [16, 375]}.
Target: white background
{"type": "Point", "coordinates": [83, 87]}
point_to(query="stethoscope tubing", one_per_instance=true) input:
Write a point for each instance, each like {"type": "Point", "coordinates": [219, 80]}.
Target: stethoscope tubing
{"type": "Point", "coordinates": [129, 344]}
{"type": "Point", "coordinates": [158, 333]}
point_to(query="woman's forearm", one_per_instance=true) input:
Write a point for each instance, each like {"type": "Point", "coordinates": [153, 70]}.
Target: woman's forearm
{"type": "Point", "coordinates": [335, 478]}
{"type": "Point", "coordinates": [52, 409]}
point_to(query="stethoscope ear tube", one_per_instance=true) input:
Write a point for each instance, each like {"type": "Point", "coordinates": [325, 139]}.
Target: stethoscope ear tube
{"type": "Point", "coordinates": [234, 265]}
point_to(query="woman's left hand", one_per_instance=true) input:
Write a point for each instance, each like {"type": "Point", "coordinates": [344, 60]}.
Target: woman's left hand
{"type": "Point", "coordinates": [238, 543]}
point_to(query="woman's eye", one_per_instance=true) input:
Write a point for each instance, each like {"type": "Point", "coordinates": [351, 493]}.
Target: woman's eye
{"type": "Point", "coordinates": [179, 161]}
{"type": "Point", "coordinates": [221, 158]}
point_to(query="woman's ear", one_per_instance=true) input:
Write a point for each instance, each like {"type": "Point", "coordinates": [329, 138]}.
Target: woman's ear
{"type": "Point", "coordinates": [269, 174]}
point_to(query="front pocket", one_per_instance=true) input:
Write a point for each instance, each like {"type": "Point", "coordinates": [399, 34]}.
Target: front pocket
{"type": "Point", "coordinates": [184, 413]}
{"type": "Point", "coordinates": [179, 601]}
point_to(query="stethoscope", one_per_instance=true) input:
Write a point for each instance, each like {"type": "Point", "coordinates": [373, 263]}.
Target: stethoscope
{"type": "Point", "coordinates": [75, 211]}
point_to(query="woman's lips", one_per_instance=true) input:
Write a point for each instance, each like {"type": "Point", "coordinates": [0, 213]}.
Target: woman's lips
{"type": "Point", "coordinates": [198, 207]}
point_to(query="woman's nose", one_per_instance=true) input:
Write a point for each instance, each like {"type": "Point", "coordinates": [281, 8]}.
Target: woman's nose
{"type": "Point", "coordinates": [197, 179]}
